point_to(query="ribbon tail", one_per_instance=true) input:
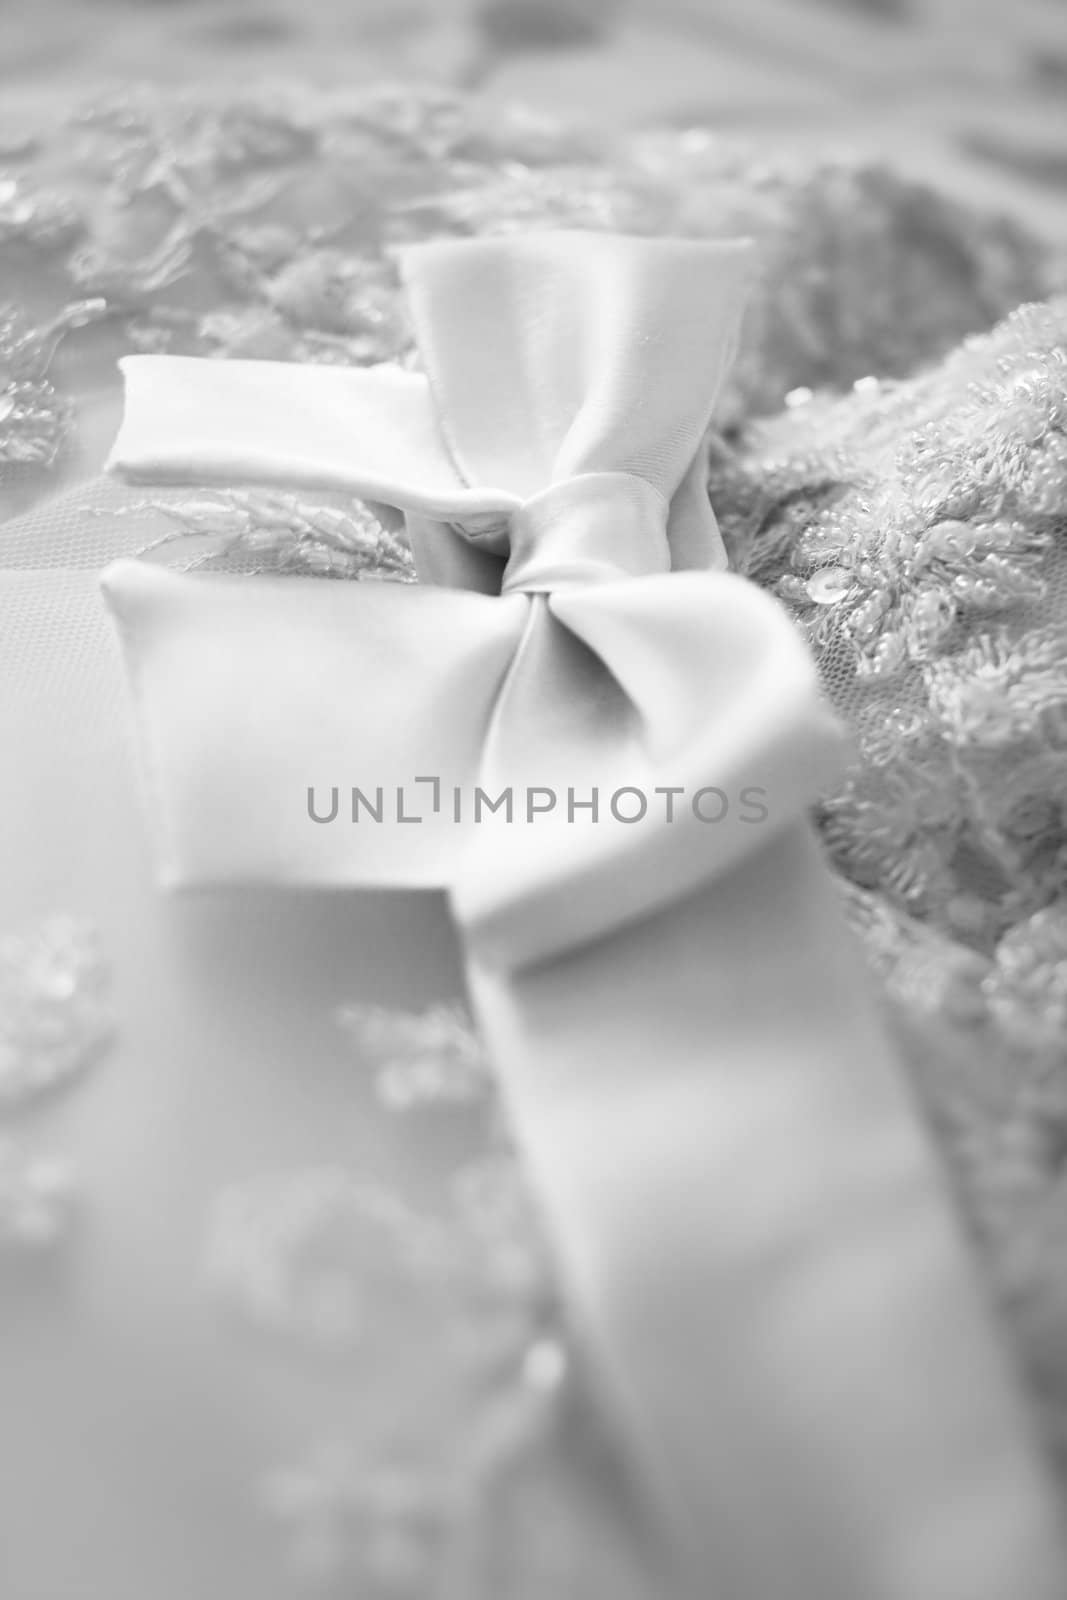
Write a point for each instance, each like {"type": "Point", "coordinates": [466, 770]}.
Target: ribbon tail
{"type": "Point", "coordinates": [762, 1258]}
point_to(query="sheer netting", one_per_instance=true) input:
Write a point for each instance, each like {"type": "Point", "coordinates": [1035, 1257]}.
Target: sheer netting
{"type": "Point", "coordinates": [904, 495]}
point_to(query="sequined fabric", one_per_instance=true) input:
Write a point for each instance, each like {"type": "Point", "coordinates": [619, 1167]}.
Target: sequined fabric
{"type": "Point", "coordinates": [891, 462]}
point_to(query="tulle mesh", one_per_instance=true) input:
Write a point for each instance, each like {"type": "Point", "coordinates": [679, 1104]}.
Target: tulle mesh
{"type": "Point", "coordinates": [65, 667]}
{"type": "Point", "coordinates": [80, 529]}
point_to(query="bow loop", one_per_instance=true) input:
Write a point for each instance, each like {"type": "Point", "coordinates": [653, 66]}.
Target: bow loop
{"type": "Point", "coordinates": [606, 353]}
{"type": "Point", "coordinates": [606, 359]}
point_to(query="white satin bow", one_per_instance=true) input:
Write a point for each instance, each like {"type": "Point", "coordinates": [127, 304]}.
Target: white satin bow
{"type": "Point", "coordinates": [549, 459]}
{"type": "Point", "coordinates": [748, 1217]}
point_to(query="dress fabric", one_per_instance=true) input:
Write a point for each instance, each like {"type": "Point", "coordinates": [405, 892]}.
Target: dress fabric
{"type": "Point", "coordinates": [946, 842]}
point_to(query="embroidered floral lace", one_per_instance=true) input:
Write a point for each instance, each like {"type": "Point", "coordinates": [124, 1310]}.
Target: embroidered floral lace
{"type": "Point", "coordinates": [891, 462]}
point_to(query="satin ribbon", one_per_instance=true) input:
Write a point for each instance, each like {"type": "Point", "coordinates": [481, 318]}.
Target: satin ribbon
{"type": "Point", "coordinates": [749, 1221]}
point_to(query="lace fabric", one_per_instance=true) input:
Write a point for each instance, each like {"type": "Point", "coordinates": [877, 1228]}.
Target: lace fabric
{"type": "Point", "coordinates": [262, 226]}
{"type": "Point", "coordinates": [902, 493]}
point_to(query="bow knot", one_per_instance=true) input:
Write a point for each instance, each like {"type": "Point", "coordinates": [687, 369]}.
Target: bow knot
{"type": "Point", "coordinates": [591, 528]}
